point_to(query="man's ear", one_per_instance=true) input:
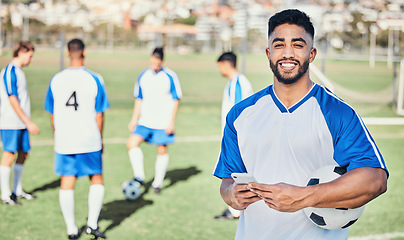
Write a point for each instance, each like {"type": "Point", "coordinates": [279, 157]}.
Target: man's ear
{"type": "Point", "coordinates": [68, 53]}
{"type": "Point", "coordinates": [267, 52]}
{"type": "Point", "coordinates": [84, 53]}
{"type": "Point", "coordinates": [313, 53]}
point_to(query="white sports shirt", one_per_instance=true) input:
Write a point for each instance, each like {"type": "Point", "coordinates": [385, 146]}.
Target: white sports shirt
{"type": "Point", "coordinates": [13, 83]}
{"type": "Point", "coordinates": [74, 97]}
{"type": "Point", "coordinates": [278, 144]}
{"type": "Point", "coordinates": [237, 89]}
{"type": "Point", "coordinates": [158, 91]}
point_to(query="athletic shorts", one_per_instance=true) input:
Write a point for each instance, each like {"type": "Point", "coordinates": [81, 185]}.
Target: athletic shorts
{"type": "Point", "coordinates": [154, 136]}
{"type": "Point", "coordinates": [78, 165]}
{"type": "Point", "coordinates": [15, 140]}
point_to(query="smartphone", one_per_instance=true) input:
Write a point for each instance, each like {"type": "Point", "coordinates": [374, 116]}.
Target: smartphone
{"type": "Point", "coordinates": [242, 178]}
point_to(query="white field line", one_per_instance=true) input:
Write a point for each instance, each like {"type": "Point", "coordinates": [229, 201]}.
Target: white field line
{"type": "Point", "coordinates": [214, 138]}
{"type": "Point", "coordinates": [385, 236]}
{"type": "Point", "coordinates": [179, 139]}
{"type": "Point", "coordinates": [384, 121]}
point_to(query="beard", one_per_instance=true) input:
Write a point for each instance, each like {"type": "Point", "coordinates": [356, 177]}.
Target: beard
{"type": "Point", "coordinates": [289, 78]}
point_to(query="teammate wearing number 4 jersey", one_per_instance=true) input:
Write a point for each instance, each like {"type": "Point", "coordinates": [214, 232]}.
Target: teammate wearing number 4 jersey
{"type": "Point", "coordinates": [76, 100]}
{"type": "Point", "coordinates": [15, 122]}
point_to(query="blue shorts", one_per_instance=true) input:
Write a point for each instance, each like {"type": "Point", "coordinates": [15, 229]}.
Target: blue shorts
{"type": "Point", "coordinates": [154, 136]}
{"type": "Point", "coordinates": [79, 165]}
{"type": "Point", "coordinates": [15, 140]}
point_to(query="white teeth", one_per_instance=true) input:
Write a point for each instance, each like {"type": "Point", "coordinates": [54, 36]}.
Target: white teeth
{"type": "Point", "coordinates": [288, 65]}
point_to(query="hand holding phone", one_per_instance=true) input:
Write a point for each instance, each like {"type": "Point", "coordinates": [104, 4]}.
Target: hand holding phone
{"type": "Point", "coordinates": [242, 178]}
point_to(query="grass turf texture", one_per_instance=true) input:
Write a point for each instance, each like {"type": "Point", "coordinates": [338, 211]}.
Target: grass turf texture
{"type": "Point", "coordinates": [190, 196]}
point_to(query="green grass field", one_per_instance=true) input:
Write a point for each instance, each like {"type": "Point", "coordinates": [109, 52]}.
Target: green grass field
{"type": "Point", "coordinates": [190, 197]}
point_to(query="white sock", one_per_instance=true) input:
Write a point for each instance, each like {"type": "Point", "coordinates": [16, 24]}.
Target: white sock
{"type": "Point", "coordinates": [136, 160]}
{"type": "Point", "coordinates": [160, 170]}
{"type": "Point", "coordinates": [66, 200]}
{"type": "Point", "coordinates": [5, 182]}
{"type": "Point", "coordinates": [18, 169]}
{"type": "Point", "coordinates": [95, 198]}
{"type": "Point", "coordinates": [236, 213]}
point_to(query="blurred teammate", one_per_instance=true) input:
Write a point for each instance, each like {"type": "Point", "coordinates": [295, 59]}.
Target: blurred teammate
{"type": "Point", "coordinates": [283, 133]}
{"type": "Point", "coordinates": [76, 100]}
{"type": "Point", "coordinates": [238, 88]}
{"type": "Point", "coordinates": [157, 93]}
{"type": "Point", "coordinates": [15, 122]}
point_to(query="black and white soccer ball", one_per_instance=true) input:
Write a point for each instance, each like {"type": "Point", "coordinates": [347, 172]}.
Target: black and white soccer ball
{"type": "Point", "coordinates": [131, 189]}
{"type": "Point", "coordinates": [331, 218]}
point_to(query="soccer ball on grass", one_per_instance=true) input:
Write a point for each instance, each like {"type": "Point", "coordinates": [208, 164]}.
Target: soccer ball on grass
{"type": "Point", "coordinates": [331, 218]}
{"type": "Point", "coordinates": [131, 190]}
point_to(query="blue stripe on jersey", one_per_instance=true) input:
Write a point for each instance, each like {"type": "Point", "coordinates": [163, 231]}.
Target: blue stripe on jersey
{"type": "Point", "coordinates": [237, 94]}
{"type": "Point", "coordinates": [230, 160]}
{"type": "Point", "coordinates": [10, 82]}
{"type": "Point", "coordinates": [101, 100]}
{"type": "Point", "coordinates": [138, 88]}
{"type": "Point", "coordinates": [49, 101]}
{"type": "Point", "coordinates": [173, 91]}
{"type": "Point", "coordinates": [353, 145]}
{"type": "Point", "coordinates": [277, 102]}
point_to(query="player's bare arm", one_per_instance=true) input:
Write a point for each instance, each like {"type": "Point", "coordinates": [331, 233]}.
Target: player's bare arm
{"type": "Point", "coordinates": [171, 127]}
{"type": "Point", "coordinates": [135, 115]}
{"type": "Point", "coordinates": [237, 196]}
{"type": "Point", "coordinates": [15, 104]}
{"type": "Point", "coordinates": [352, 190]}
{"type": "Point", "coordinates": [99, 118]}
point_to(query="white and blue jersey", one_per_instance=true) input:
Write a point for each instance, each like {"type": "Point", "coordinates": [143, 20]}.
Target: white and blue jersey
{"type": "Point", "coordinates": [237, 89]}
{"type": "Point", "coordinates": [278, 144]}
{"type": "Point", "coordinates": [13, 82]}
{"type": "Point", "coordinates": [158, 92]}
{"type": "Point", "coordinates": [74, 97]}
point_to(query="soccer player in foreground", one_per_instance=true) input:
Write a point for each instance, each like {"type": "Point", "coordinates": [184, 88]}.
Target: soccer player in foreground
{"type": "Point", "coordinates": [15, 122]}
{"type": "Point", "coordinates": [237, 88]}
{"type": "Point", "coordinates": [77, 100]}
{"type": "Point", "coordinates": [157, 94]}
{"type": "Point", "coordinates": [282, 134]}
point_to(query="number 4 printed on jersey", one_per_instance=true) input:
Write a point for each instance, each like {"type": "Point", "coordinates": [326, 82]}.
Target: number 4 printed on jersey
{"type": "Point", "coordinates": [72, 102]}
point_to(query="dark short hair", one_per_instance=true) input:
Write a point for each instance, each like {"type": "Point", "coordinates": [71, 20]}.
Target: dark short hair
{"type": "Point", "coordinates": [158, 52]}
{"type": "Point", "coordinates": [75, 45]}
{"type": "Point", "coordinates": [291, 16]}
{"type": "Point", "coordinates": [23, 46]}
{"type": "Point", "coordinates": [229, 57]}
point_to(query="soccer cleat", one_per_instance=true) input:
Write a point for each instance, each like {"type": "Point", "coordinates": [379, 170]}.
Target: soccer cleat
{"type": "Point", "coordinates": [157, 190]}
{"type": "Point", "coordinates": [139, 181]}
{"type": "Point", "coordinates": [12, 200]}
{"type": "Point", "coordinates": [95, 233]}
{"type": "Point", "coordinates": [73, 236]}
{"type": "Point", "coordinates": [226, 215]}
{"type": "Point", "coordinates": [26, 195]}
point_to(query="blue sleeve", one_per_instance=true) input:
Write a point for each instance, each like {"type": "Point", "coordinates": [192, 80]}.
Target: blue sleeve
{"type": "Point", "coordinates": [101, 100]}
{"type": "Point", "coordinates": [353, 145]}
{"type": "Point", "coordinates": [237, 94]}
{"type": "Point", "coordinates": [174, 86]}
{"type": "Point", "coordinates": [137, 93]}
{"type": "Point", "coordinates": [11, 82]}
{"type": "Point", "coordinates": [230, 160]}
{"type": "Point", "coordinates": [49, 100]}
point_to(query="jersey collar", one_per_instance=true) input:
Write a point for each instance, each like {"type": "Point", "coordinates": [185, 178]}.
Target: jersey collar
{"type": "Point", "coordinates": [282, 107]}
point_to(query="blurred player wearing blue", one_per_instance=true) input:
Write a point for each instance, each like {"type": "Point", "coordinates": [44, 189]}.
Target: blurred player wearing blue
{"type": "Point", "coordinates": [283, 133]}
{"type": "Point", "coordinates": [157, 94]}
{"type": "Point", "coordinates": [237, 88]}
{"type": "Point", "coordinates": [77, 100]}
{"type": "Point", "coordinates": [15, 122]}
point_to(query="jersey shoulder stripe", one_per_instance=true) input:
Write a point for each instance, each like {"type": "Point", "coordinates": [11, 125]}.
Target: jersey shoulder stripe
{"type": "Point", "coordinates": [10, 80]}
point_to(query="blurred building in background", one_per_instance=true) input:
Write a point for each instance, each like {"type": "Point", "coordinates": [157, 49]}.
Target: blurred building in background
{"type": "Point", "coordinates": [198, 25]}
